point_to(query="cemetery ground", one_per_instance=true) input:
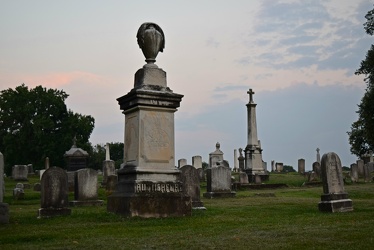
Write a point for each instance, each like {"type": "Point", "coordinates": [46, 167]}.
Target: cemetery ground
{"type": "Point", "coordinates": [285, 218]}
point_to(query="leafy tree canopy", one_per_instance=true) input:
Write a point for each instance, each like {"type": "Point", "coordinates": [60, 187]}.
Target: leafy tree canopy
{"type": "Point", "coordinates": [35, 123]}
{"type": "Point", "coordinates": [361, 136]}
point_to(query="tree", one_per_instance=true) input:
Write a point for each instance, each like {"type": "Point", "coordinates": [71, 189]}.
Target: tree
{"type": "Point", "coordinates": [35, 123]}
{"type": "Point", "coordinates": [361, 136]}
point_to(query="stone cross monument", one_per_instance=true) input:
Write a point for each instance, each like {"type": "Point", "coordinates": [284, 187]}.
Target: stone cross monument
{"type": "Point", "coordinates": [253, 150]}
{"type": "Point", "coordinates": [149, 184]}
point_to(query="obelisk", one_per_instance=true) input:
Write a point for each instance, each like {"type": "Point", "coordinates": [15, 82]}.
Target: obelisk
{"type": "Point", "coordinates": [149, 184]}
{"type": "Point", "coordinates": [253, 150]}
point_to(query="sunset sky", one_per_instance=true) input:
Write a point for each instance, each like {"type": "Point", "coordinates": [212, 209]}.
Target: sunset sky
{"type": "Point", "coordinates": [298, 56]}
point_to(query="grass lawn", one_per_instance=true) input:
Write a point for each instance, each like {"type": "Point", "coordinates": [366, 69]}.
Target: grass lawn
{"type": "Point", "coordinates": [290, 220]}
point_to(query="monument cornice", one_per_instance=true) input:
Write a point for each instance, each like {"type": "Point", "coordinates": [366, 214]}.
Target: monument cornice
{"type": "Point", "coordinates": [146, 97]}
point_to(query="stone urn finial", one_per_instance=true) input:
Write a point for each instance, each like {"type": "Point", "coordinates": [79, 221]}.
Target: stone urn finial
{"type": "Point", "coordinates": [151, 40]}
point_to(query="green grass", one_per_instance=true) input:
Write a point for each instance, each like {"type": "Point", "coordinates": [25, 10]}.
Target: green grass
{"type": "Point", "coordinates": [290, 220]}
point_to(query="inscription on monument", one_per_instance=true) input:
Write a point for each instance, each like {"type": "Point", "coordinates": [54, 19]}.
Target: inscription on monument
{"type": "Point", "coordinates": [157, 143]}
{"type": "Point", "coordinates": [148, 187]}
{"type": "Point", "coordinates": [130, 143]}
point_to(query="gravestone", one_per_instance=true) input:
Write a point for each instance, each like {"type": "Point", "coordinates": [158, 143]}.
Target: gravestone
{"type": "Point", "coordinates": [258, 179]}
{"type": "Point", "coordinates": [301, 166]}
{"type": "Point", "coordinates": [30, 169]}
{"type": "Point", "coordinates": [191, 185]}
{"type": "Point", "coordinates": [360, 168]}
{"type": "Point", "coordinates": [54, 193]}
{"type": "Point", "coordinates": [201, 174]}
{"type": "Point", "coordinates": [219, 183]}
{"type": "Point", "coordinates": [197, 161]}
{"type": "Point", "coordinates": [334, 198]}
{"type": "Point", "coordinates": [316, 166]}
{"type": "Point", "coordinates": [182, 162]}
{"type": "Point", "coordinates": [18, 193]}
{"type": "Point", "coordinates": [108, 169]}
{"type": "Point", "coordinates": [243, 178]}
{"type": "Point", "coordinates": [149, 184]}
{"type": "Point", "coordinates": [215, 156]}
{"type": "Point", "coordinates": [111, 183]}
{"type": "Point", "coordinates": [20, 172]}
{"type": "Point", "coordinates": [71, 180]}
{"type": "Point", "coordinates": [273, 168]}
{"type": "Point", "coordinates": [367, 157]}
{"type": "Point", "coordinates": [85, 191]}
{"type": "Point", "coordinates": [4, 207]}
{"type": "Point", "coordinates": [37, 187]}
{"type": "Point", "coordinates": [279, 167]}
{"type": "Point", "coordinates": [367, 173]}
{"type": "Point", "coordinates": [354, 172]}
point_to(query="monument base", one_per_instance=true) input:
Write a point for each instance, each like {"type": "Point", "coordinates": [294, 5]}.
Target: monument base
{"type": "Point", "coordinates": [335, 203]}
{"type": "Point", "coordinates": [148, 205]}
{"type": "Point", "coordinates": [4, 213]}
{"type": "Point", "coordinates": [51, 212]}
{"type": "Point", "coordinates": [211, 195]}
{"type": "Point", "coordinates": [255, 177]}
{"type": "Point", "coordinates": [86, 203]}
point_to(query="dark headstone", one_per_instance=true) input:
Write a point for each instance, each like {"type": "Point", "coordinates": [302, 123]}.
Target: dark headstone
{"type": "Point", "coordinates": [111, 183]}
{"type": "Point", "coordinates": [191, 185]}
{"type": "Point", "coordinates": [37, 187]}
{"type": "Point", "coordinates": [54, 193]}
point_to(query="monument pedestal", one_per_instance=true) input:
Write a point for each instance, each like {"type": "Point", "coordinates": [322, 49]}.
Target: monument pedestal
{"type": "Point", "coordinates": [263, 176]}
{"type": "Point", "coordinates": [335, 203]}
{"type": "Point", "coordinates": [149, 194]}
{"type": "Point", "coordinates": [148, 184]}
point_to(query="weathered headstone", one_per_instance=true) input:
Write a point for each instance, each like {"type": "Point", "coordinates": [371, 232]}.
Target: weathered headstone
{"type": "Point", "coordinates": [367, 173]}
{"type": "Point", "coordinates": [334, 198]}
{"type": "Point", "coordinates": [30, 169]}
{"type": "Point", "coordinates": [37, 187]}
{"type": "Point", "coordinates": [316, 166]}
{"type": "Point", "coordinates": [354, 172]}
{"type": "Point", "coordinates": [85, 191]}
{"type": "Point", "coordinates": [18, 193]}
{"type": "Point", "coordinates": [301, 166]}
{"type": "Point", "coordinates": [149, 184]}
{"type": "Point", "coordinates": [201, 174]}
{"type": "Point", "coordinates": [257, 179]}
{"type": "Point", "coordinates": [54, 193]}
{"type": "Point", "coordinates": [360, 168]}
{"type": "Point", "coordinates": [4, 207]}
{"type": "Point", "coordinates": [191, 185]}
{"type": "Point", "coordinates": [182, 162]}
{"type": "Point", "coordinates": [219, 183]}
{"type": "Point", "coordinates": [20, 172]}
{"type": "Point", "coordinates": [71, 180]}
{"type": "Point", "coordinates": [108, 169]}
{"type": "Point", "coordinates": [243, 178]}
{"type": "Point", "coordinates": [279, 167]}
{"type": "Point", "coordinates": [367, 157]}
{"type": "Point", "coordinates": [197, 161]}
{"type": "Point", "coordinates": [111, 183]}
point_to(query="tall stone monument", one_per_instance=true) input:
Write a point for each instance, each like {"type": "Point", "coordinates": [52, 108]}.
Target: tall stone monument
{"type": "Point", "coordinates": [301, 166]}
{"type": "Point", "coordinates": [334, 198]}
{"type": "Point", "coordinates": [216, 156]}
{"type": "Point", "coordinates": [253, 150]}
{"type": "Point", "coordinates": [109, 167]}
{"type": "Point", "coordinates": [149, 184]}
{"type": "Point", "coordinates": [318, 156]}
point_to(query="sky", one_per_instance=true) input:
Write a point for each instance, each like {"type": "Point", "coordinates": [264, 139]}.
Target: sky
{"type": "Point", "coordinates": [298, 56]}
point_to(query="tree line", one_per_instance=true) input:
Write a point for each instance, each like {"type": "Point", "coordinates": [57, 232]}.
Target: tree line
{"type": "Point", "coordinates": [35, 123]}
